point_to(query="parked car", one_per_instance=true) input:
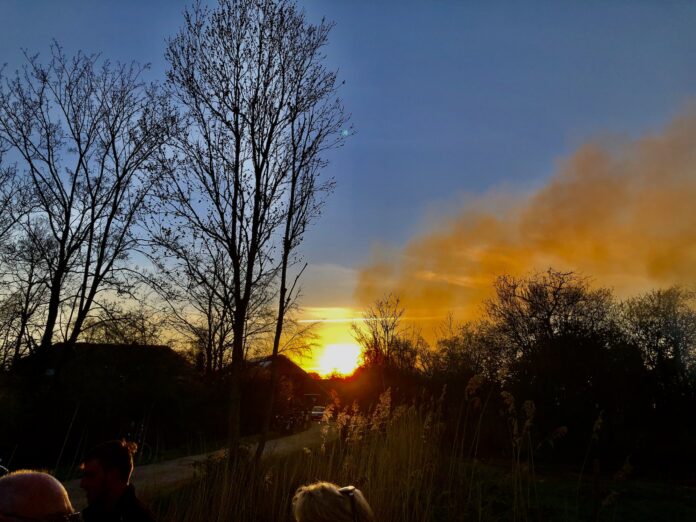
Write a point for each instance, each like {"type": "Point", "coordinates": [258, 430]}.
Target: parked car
{"type": "Point", "coordinates": [318, 412]}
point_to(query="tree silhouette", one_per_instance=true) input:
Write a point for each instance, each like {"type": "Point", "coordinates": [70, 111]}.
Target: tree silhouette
{"type": "Point", "coordinates": [260, 108]}
{"type": "Point", "coordinates": [86, 133]}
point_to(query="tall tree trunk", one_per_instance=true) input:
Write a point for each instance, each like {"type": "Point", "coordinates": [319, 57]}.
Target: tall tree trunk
{"type": "Point", "coordinates": [236, 373]}
{"type": "Point", "coordinates": [268, 412]}
{"type": "Point", "coordinates": [82, 313]}
{"type": "Point", "coordinates": [52, 314]}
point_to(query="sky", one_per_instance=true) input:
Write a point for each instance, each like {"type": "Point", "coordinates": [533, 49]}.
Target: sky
{"type": "Point", "coordinates": [470, 119]}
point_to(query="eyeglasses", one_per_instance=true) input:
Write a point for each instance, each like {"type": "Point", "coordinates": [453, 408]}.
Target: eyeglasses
{"type": "Point", "coordinates": [349, 491]}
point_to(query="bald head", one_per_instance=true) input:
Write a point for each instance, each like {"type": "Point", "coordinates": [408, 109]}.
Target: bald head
{"type": "Point", "coordinates": [33, 494]}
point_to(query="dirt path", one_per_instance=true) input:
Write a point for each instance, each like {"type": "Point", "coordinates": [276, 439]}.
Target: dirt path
{"type": "Point", "coordinates": [155, 479]}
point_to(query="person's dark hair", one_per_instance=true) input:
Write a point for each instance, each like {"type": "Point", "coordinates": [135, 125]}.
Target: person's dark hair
{"type": "Point", "coordinates": [114, 454]}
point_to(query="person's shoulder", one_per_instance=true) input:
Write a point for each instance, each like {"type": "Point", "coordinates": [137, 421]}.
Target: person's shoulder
{"type": "Point", "coordinates": [88, 514]}
{"type": "Point", "coordinates": [140, 513]}
{"type": "Point", "coordinates": [133, 510]}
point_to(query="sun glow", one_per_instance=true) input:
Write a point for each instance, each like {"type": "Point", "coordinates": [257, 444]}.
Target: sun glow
{"type": "Point", "coordinates": [342, 359]}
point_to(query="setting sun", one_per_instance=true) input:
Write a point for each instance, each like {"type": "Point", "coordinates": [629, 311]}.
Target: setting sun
{"type": "Point", "coordinates": [339, 358]}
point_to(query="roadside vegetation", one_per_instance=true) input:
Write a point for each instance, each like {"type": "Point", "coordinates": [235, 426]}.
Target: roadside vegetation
{"type": "Point", "coordinates": [413, 465]}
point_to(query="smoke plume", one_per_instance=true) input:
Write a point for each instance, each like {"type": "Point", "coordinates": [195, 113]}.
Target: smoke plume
{"type": "Point", "coordinates": [622, 213]}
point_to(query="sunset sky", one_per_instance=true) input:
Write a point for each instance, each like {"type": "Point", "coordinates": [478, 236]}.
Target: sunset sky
{"type": "Point", "coordinates": [489, 137]}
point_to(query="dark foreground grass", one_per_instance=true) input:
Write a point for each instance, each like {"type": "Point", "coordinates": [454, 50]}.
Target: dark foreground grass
{"type": "Point", "coordinates": [617, 500]}
{"type": "Point", "coordinates": [400, 460]}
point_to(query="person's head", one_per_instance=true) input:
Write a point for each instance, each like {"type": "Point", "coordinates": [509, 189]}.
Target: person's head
{"type": "Point", "coordinates": [32, 496]}
{"type": "Point", "coordinates": [326, 502]}
{"type": "Point", "coordinates": [106, 471]}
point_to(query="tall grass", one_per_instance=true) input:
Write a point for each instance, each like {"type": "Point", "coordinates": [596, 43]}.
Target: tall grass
{"type": "Point", "coordinates": [392, 454]}
{"type": "Point", "coordinates": [410, 464]}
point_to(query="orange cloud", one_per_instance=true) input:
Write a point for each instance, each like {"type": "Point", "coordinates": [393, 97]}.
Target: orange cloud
{"type": "Point", "coordinates": [623, 213]}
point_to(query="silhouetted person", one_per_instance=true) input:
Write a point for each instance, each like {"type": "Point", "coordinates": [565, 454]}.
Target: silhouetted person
{"type": "Point", "coordinates": [327, 502]}
{"type": "Point", "coordinates": [106, 481]}
{"type": "Point", "coordinates": [30, 495]}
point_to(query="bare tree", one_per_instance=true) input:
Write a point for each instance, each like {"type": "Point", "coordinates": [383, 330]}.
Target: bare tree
{"type": "Point", "coordinates": [662, 323]}
{"type": "Point", "coordinates": [380, 330]}
{"type": "Point", "coordinates": [25, 288]}
{"type": "Point", "coordinates": [316, 124]}
{"type": "Point", "coordinates": [250, 76]}
{"type": "Point", "coordinates": [191, 301]}
{"type": "Point", "coordinates": [545, 306]}
{"type": "Point", "coordinates": [114, 323]}
{"type": "Point", "coordinates": [21, 270]}
{"type": "Point", "coordinates": [13, 198]}
{"type": "Point", "coordinates": [464, 349]}
{"type": "Point", "coordinates": [387, 343]}
{"type": "Point", "coordinates": [85, 132]}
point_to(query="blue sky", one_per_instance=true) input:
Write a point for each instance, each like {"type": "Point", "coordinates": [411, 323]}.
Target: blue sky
{"type": "Point", "coordinates": [448, 98]}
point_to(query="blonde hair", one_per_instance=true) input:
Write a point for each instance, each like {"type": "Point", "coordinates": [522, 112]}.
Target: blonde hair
{"type": "Point", "coordinates": [327, 502]}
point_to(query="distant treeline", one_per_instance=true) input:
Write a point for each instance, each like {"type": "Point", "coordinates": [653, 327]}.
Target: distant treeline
{"type": "Point", "coordinates": [599, 377]}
